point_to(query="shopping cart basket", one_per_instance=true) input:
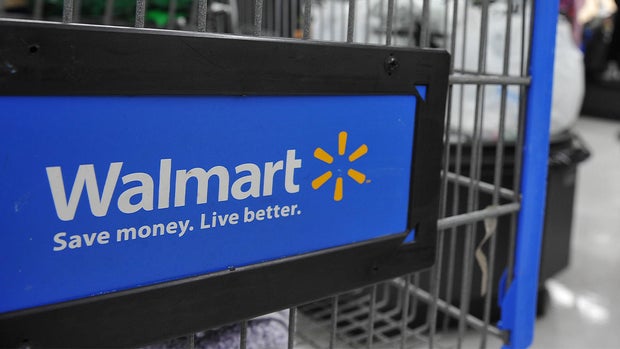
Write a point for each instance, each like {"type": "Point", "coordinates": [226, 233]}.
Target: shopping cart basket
{"type": "Point", "coordinates": [438, 283]}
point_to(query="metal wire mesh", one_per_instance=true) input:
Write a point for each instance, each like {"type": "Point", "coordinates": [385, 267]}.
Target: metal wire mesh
{"type": "Point", "coordinates": [453, 304]}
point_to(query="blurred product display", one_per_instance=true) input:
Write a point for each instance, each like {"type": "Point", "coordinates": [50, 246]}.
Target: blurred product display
{"type": "Point", "coordinates": [568, 76]}
{"type": "Point", "coordinates": [601, 44]}
{"type": "Point", "coordinates": [569, 80]}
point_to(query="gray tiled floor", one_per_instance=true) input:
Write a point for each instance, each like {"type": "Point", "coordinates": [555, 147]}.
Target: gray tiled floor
{"type": "Point", "coordinates": [585, 299]}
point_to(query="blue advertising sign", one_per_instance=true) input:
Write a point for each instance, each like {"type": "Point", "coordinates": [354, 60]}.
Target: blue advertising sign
{"type": "Point", "coordinates": [101, 194]}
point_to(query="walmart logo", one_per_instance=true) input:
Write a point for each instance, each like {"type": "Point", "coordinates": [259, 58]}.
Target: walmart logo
{"type": "Point", "coordinates": [246, 180]}
{"type": "Point", "coordinates": [324, 156]}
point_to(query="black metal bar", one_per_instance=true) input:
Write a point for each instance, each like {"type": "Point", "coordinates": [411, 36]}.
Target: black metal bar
{"type": "Point", "coordinates": [525, 62]}
{"type": "Point", "coordinates": [334, 323]}
{"type": "Point", "coordinates": [367, 33]}
{"type": "Point", "coordinates": [307, 18]}
{"type": "Point", "coordinates": [294, 18]}
{"type": "Point", "coordinates": [477, 216]}
{"type": "Point", "coordinates": [343, 20]}
{"type": "Point", "coordinates": [268, 14]}
{"type": "Point", "coordinates": [411, 41]}
{"type": "Point", "coordinates": [389, 23]}
{"type": "Point", "coordinates": [172, 12]}
{"type": "Point", "coordinates": [201, 16]}
{"type": "Point", "coordinates": [67, 11]}
{"type": "Point", "coordinates": [413, 313]}
{"type": "Point", "coordinates": [405, 311]}
{"type": "Point", "coordinates": [488, 79]}
{"type": "Point", "coordinates": [425, 34]}
{"type": "Point", "coordinates": [351, 21]}
{"type": "Point", "coordinates": [484, 187]}
{"type": "Point", "coordinates": [287, 18]}
{"type": "Point", "coordinates": [372, 316]}
{"type": "Point", "coordinates": [243, 334]}
{"type": "Point", "coordinates": [77, 11]}
{"type": "Point", "coordinates": [475, 168]}
{"type": "Point", "coordinates": [191, 341]}
{"type": "Point", "coordinates": [140, 13]}
{"type": "Point", "coordinates": [193, 15]}
{"type": "Point", "coordinates": [458, 156]}
{"type": "Point", "coordinates": [258, 17]}
{"type": "Point", "coordinates": [292, 327]}
{"type": "Point", "coordinates": [497, 180]}
{"type": "Point", "coordinates": [108, 15]}
{"type": "Point", "coordinates": [38, 9]}
{"type": "Point", "coordinates": [204, 54]}
{"type": "Point", "coordinates": [278, 18]}
{"type": "Point", "coordinates": [436, 271]}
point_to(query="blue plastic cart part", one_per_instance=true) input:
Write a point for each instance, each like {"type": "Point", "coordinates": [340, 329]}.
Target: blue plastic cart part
{"type": "Point", "coordinates": [100, 194]}
{"type": "Point", "coordinates": [519, 304]}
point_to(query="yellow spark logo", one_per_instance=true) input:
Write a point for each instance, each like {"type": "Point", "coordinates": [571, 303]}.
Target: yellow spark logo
{"type": "Point", "coordinates": [328, 159]}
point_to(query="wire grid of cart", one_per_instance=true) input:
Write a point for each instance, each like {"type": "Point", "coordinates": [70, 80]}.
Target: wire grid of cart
{"type": "Point", "coordinates": [454, 304]}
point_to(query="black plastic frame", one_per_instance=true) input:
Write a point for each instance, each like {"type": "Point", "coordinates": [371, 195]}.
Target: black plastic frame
{"type": "Point", "coordinates": [53, 59]}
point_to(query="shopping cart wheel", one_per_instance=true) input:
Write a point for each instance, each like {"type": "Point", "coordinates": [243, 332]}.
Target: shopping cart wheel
{"type": "Point", "coordinates": [542, 304]}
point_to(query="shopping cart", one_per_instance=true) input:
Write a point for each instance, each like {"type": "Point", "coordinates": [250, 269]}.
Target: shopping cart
{"type": "Point", "coordinates": [470, 290]}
